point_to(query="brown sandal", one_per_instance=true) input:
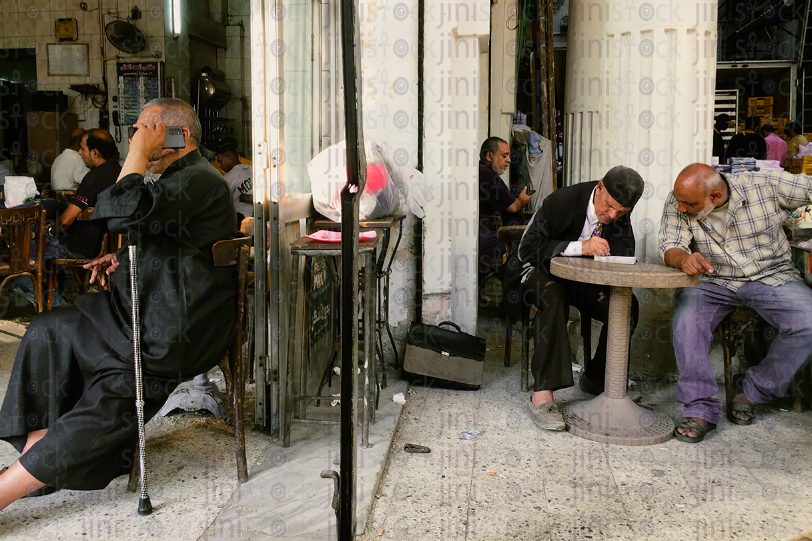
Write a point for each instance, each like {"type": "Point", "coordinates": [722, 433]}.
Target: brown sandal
{"type": "Point", "coordinates": [747, 409]}
{"type": "Point", "coordinates": [689, 424]}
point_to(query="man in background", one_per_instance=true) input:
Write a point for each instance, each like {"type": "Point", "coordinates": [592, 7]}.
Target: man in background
{"type": "Point", "coordinates": [720, 125]}
{"type": "Point", "coordinates": [776, 147]}
{"type": "Point", "coordinates": [239, 178]}
{"type": "Point", "coordinates": [226, 141]}
{"type": "Point", "coordinates": [495, 198]}
{"type": "Point", "coordinates": [748, 144]}
{"type": "Point", "coordinates": [796, 138]}
{"type": "Point", "coordinates": [69, 168]}
{"type": "Point", "coordinates": [71, 239]}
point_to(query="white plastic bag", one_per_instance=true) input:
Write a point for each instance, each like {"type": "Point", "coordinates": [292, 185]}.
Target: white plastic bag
{"type": "Point", "coordinates": [410, 181]}
{"type": "Point", "coordinates": [804, 150]}
{"type": "Point", "coordinates": [328, 175]}
{"type": "Point", "coordinates": [769, 164]}
{"type": "Point", "coordinates": [18, 189]}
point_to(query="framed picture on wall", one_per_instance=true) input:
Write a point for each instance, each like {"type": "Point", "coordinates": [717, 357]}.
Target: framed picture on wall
{"type": "Point", "coordinates": [68, 59]}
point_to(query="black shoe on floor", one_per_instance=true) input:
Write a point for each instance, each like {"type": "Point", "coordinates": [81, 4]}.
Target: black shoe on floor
{"type": "Point", "coordinates": [43, 491]}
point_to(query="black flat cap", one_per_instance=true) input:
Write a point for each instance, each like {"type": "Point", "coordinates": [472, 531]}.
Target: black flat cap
{"type": "Point", "coordinates": [624, 184]}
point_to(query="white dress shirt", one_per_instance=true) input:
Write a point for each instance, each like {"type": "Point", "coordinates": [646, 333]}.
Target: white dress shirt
{"type": "Point", "coordinates": [575, 248]}
{"type": "Point", "coordinates": [68, 170]}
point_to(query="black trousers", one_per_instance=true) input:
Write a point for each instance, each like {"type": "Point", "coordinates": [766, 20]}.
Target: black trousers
{"type": "Point", "coordinates": [551, 365]}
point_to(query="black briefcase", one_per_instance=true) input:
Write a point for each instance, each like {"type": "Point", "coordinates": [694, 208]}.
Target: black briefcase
{"type": "Point", "coordinates": [443, 358]}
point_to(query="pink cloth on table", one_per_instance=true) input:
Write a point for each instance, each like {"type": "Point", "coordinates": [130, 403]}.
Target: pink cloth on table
{"type": "Point", "coordinates": [776, 147]}
{"type": "Point", "coordinates": [335, 236]}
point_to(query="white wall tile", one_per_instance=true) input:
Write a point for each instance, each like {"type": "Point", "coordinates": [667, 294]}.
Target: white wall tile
{"type": "Point", "coordinates": [44, 25]}
{"type": "Point", "coordinates": [27, 25]}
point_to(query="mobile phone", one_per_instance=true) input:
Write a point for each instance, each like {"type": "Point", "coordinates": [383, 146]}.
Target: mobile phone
{"type": "Point", "coordinates": [174, 137]}
{"type": "Point", "coordinates": [530, 191]}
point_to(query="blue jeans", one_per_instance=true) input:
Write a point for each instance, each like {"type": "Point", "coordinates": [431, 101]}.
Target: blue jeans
{"type": "Point", "coordinates": [53, 250]}
{"type": "Point", "coordinates": [699, 311]}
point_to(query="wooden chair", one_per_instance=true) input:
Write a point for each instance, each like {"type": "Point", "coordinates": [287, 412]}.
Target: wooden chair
{"type": "Point", "coordinates": [74, 265]}
{"type": "Point", "coordinates": [63, 195]}
{"type": "Point", "coordinates": [732, 331]}
{"type": "Point", "coordinates": [20, 227]}
{"type": "Point", "coordinates": [510, 235]}
{"type": "Point", "coordinates": [227, 253]}
{"type": "Point", "coordinates": [488, 266]}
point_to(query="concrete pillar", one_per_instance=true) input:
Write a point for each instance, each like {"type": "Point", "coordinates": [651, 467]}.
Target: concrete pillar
{"type": "Point", "coordinates": [639, 92]}
{"type": "Point", "coordinates": [640, 85]}
{"type": "Point", "coordinates": [455, 34]}
{"type": "Point", "coordinates": [584, 94]}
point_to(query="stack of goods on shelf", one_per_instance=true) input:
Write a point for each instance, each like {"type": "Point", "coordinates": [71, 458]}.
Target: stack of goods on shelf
{"type": "Point", "coordinates": [800, 165]}
{"type": "Point", "coordinates": [762, 107]}
{"type": "Point", "coordinates": [741, 165]}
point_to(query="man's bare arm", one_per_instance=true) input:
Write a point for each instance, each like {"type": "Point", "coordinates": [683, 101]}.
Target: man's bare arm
{"type": "Point", "coordinates": [520, 201]}
{"type": "Point", "coordinates": [67, 218]}
{"type": "Point", "coordinates": [691, 264]}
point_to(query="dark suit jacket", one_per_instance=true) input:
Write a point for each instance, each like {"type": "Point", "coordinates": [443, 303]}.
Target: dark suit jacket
{"type": "Point", "coordinates": [560, 220]}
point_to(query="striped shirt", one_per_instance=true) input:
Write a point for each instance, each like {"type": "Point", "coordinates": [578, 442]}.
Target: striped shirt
{"type": "Point", "coordinates": [755, 247]}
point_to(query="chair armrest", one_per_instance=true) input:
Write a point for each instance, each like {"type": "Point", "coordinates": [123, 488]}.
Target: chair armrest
{"type": "Point", "coordinates": [224, 252]}
{"type": "Point", "coordinates": [510, 233]}
{"type": "Point", "coordinates": [490, 222]}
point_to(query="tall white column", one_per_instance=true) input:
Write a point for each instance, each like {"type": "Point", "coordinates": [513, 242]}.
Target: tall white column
{"type": "Point", "coordinates": [455, 35]}
{"type": "Point", "coordinates": [649, 70]}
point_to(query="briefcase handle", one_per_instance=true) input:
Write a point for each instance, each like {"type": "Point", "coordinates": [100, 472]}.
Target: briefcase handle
{"type": "Point", "coordinates": [450, 323]}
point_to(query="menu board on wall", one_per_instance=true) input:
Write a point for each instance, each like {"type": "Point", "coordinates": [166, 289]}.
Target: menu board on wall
{"type": "Point", "coordinates": [138, 83]}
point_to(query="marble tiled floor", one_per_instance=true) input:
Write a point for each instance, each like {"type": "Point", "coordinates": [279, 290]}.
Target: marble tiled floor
{"type": "Point", "coordinates": [516, 481]}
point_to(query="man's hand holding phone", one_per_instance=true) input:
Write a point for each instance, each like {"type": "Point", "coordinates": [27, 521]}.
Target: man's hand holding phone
{"type": "Point", "coordinates": [148, 140]}
{"type": "Point", "coordinates": [174, 137]}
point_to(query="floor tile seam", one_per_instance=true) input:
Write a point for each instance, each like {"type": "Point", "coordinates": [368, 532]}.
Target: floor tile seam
{"type": "Point", "coordinates": [388, 462]}
{"type": "Point", "coordinates": [385, 469]}
{"type": "Point", "coordinates": [480, 394]}
{"type": "Point", "coordinates": [622, 498]}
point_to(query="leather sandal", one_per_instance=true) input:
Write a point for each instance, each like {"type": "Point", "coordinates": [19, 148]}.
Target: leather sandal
{"type": "Point", "coordinates": [689, 424]}
{"type": "Point", "coordinates": [747, 409]}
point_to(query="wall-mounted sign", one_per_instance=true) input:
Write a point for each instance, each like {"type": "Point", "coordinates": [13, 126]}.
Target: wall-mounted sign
{"type": "Point", "coordinates": [69, 59]}
{"type": "Point", "coordinates": [138, 83]}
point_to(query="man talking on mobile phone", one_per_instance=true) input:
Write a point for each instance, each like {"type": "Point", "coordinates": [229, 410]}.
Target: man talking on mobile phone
{"type": "Point", "coordinates": [70, 404]}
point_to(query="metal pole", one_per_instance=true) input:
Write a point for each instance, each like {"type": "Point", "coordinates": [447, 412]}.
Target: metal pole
{"type": "Point", "coordinates": [356, 178]}
{"type": "Point", "coordinates": [144, 505]}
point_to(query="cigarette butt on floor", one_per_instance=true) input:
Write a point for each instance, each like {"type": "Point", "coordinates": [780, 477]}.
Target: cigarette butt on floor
{"type": "Point", "coordinates": [380, 532]}
{"type": "Point", "coordinates": [491, 472]}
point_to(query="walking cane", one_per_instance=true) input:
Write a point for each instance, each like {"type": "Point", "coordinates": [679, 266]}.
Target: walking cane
{"type": "Point", "coordinates": [144, 505]}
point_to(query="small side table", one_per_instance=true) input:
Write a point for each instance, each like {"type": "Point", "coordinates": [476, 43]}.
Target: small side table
{"type": "Point", "coordinates": [612, 417]}
{"type": "Point", "coordinates": [384, 270]}
{"type": "Point", "coordinates": [309, 248]}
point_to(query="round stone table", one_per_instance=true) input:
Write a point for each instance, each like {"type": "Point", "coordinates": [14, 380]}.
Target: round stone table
{"type": "Point", "coordinates": [612, 417]}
